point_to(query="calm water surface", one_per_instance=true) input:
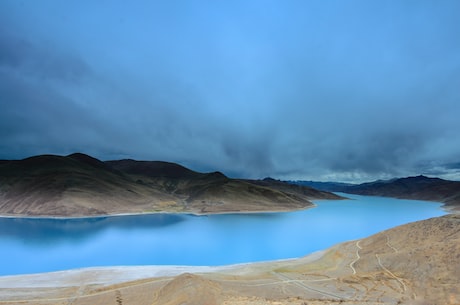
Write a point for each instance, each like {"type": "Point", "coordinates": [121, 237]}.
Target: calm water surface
{"type": "Point", "coordinates": [40, 245]}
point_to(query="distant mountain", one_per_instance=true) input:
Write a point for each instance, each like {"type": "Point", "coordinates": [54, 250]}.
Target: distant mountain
{"type": "Point", "coordinates": [80, 185]}
{"type": "Point", "coordinates": [323, 186]}
{"type": "Point", "coordinates": [289, 188]}
{"type": "Point", "coordinates": [419, 187]}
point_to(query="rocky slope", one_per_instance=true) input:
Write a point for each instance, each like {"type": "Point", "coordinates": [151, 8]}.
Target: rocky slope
{"type": "Point", "coordinates": [79, 185]}
{"type": "Point", "coordinates": [418, 188]}
{"type": "Point", "coordinates": [417, 263]}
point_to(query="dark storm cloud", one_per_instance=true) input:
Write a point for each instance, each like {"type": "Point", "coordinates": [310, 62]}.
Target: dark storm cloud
{"type": "Point", "coordinates": [337, 90]}
{"type": "Point", "coordinates": [45, 62]}
{"type": "Point", "coordinates": [34, 114]}
{"type": "Point", "coordinates": [455, 165]}
{"type": "Point", "coordinates": [35, 110]}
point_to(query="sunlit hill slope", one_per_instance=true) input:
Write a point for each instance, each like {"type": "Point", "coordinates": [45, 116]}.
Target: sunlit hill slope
{"type": "Point", "coordinates": [79, 185]}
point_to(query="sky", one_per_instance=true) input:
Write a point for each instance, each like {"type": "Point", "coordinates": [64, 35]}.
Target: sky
{"type": "Point", "coordinates": [323, 90]}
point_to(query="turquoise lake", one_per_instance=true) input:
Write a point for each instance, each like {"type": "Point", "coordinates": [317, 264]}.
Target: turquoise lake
{"type": "Point", "coordinates": [30, 245]}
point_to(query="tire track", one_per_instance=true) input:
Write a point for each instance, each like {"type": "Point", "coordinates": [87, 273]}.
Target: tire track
{"type": "Point", "coordinates": [391, 273]}
{"type": "Point", "coordinates": [118, 297]}
{"type": "Point", "coordinates": [389, 245]}
{"type": "Point", "coordinates": [78, 294]}
{"type": "Point", "coordinates": [70, 300]}
{"type": "Point", "coordinates": [357, 257]}
{"type": "Point", "coordinates": [287, 279]}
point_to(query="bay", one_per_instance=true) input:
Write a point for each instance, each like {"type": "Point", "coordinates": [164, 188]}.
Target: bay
{"type": "Point", "coordinates": [32, 245]}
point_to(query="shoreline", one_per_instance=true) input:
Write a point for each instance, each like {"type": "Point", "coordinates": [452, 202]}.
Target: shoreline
{"type": "Point", "coordinates": [444, 206]}
{"type": "Point", "coordinates": [110, 275]}
{"type": "Point", "coordinates": [163, 269]}
{"type": "Point", "coordinates": [197, 214]}
{"type": "Point", "coordinates": [339, 272]}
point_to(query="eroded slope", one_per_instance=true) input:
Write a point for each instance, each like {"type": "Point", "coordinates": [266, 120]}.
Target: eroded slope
{"type": "Point", "coordinates": [79, 185]}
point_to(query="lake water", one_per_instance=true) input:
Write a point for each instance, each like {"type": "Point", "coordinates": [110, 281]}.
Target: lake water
{"type": "Point", "coordinates": [41, 245]}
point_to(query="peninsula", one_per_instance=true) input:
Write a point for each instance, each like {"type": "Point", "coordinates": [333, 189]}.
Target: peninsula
{"type": "Point", "coordinates": [78, 185]}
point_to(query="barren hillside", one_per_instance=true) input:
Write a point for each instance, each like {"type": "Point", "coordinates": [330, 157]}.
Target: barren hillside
{"type": "Point", "coordinates": [79, 185]}
{"type": "Point", "coordinates": [417, 188]}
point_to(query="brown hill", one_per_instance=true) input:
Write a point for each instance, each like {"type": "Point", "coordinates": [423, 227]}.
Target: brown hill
{"type": "Point", "coordinates": [294, 189]}
{"type": "Point", "coordinates": [415, 264]}
{"type": "Point", "coordinates": [420, 188]}
{"type": "Point", "coordinates": [76, 185]}
{"type": "Point", "coordinates": [153, 169]}
{"type": "Point", "coordinates": [216, 193]}
{"type": "Point", "coordinates": [80, 185]}
{"type": "Point", "coordinates": [189, 289]}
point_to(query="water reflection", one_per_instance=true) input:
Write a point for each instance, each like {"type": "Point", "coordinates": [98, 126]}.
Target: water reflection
{"type": "Point", "coordinates": [52, 230]}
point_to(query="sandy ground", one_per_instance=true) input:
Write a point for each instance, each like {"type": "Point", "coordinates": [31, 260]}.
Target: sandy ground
{"type": "Point", "coordinates": [119, 274]}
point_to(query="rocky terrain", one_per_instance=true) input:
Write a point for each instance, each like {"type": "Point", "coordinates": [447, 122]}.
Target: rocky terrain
{"type": "Point", "coordinates": [79, 185]}
{"type": "Point", "coordinates": [418, 188]}
{"type": "Point", "coordinates": [417, 263]}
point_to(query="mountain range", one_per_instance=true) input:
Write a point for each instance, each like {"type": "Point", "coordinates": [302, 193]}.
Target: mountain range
{"type": "Point", "coordinates": [80, 185]}
{"type": "Point", "coordinates": [418, 188]}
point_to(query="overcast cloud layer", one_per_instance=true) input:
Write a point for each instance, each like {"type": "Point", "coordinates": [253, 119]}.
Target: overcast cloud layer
{"type": "Point", "coordinates": [324, 90]}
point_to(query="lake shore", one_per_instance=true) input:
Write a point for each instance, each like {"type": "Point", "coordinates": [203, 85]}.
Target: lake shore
{"type": "Point", "coordinates": [119, 274]}
{"type": "Point", "coordinates": [172, 212]}
{"type": "Point", "coordinates": [385, 268]}
{"type": "Point", "coordinates": [214, 240]}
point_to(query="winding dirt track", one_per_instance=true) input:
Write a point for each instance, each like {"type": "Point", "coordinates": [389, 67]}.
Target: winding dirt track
{"type": "Point", "coordinates": [357, 257]}
{"type": "Point", "coordinates": [301, 284]}
{"type": "Point", "coordinates": [404, 288]}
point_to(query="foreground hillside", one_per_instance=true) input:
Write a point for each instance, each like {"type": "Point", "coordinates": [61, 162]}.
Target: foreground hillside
{"type": "Point", "coordinates": [417, 263]}
{"type": "Point", "coordinates": [79, 185]}
{"type": "Point", "coordinates": [418, 188]}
